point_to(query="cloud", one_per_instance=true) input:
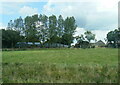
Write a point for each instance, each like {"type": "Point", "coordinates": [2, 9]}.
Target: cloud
{"type": "Point", "coordinates": [99, 34]}
{"type": "Point", "coordinates": [22, 0]}
{"type": "Point", "coordinates": [79, 31]}
{"type": "Point", "coordinates": [10, 8]}
{"type": "Point", "coordinates": [26, 10]}
{"type": "Point", "coordinates": [89, 14]}
{"type": "Point", "coordinates": [2, 26]}
{"type": "Point", "coordinates": [96, 14]}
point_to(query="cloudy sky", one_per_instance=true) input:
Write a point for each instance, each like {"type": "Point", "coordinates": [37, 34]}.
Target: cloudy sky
{"type": "Point", "coordinates": [98, 16]}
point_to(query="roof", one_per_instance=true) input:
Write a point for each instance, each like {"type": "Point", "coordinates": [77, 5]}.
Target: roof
{"type": "Point", "coordinates": [100, 43]}
{"type": "Point", "coordinates": [29, 43]}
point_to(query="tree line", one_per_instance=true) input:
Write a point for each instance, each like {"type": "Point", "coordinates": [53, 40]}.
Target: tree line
{"type": "Point", "coordinates": [50, 29]}
{"type": "Point", "coordinates": [43, 29]}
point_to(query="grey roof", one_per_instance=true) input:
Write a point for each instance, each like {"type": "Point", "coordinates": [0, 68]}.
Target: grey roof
{"type": "Point", "coordinates": [100, 42]}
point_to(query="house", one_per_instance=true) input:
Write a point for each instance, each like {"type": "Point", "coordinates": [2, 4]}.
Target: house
{"type": "Point", "coordinates": [100, 43]}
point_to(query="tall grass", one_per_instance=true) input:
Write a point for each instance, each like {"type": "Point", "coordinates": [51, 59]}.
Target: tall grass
{"type": "Point", "coordinates": [51, 73]}
{"type": "Point", "coordinates": [61, 66]}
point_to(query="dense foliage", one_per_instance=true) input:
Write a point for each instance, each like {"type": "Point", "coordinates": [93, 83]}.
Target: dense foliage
{"type": "Point", "coordinates": [83, 41]}
{"type": "Point", "coordinates": [10, 38]}
{"type": "Point", "coordinates": [113, 38]}
{"type": "Point", "coordinates": [45, 29]}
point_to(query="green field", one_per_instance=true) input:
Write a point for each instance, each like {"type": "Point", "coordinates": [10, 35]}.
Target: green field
{"type": "Point", "coordinates": [60, 66]}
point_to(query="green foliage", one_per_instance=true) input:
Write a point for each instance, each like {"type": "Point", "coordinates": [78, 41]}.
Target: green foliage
{"type": "Point", "coordinates": [89, 35]}
{"type": "Point", "coordinates": [46, 29]}
{"type": "Point", "coordinates": [52, 26]}
{"type": "Point", "coordinates": [44, 19]}
{"type": "Point", "coordinates": [60, 27]}
{"type": "Point", "coordinates": [113, 37]}
{"type": "Point", "coordinates": [43, 29]}
{"type": "Point", "coordinates": [34, 18]}
{"type": "Point", "coordinates": [80, 38]}
{"type": "Point", "coordinates": [69, 25]}
{"type": "Point", "coordinates": [10, 38]}
{"type": "Point", "coordinates": [31, 32]}
{"type": "Point", "coordinates": [69, 30]}
{"type": "Point", "coordinates": [67, 39]}
{"type": "Point", "coordinates": [19, 25]}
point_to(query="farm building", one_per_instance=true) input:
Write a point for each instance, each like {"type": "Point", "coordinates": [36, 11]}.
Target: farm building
{"type": "Point", "coordinates": [86, 44]}
{"type": "Point", "coordinates": [100, 43]}
{"type": "Point", "coordinates": [82, 44]}
{"type": "Point", "coordinates": [54, 45]}
{"type": "Point", "coordinates": [37, 44]}
{"type": "Point", "coordinates": [27, 44]}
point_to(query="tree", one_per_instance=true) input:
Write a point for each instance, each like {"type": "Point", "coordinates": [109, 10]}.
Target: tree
{"type": "Point", "coordinates": [89, 36]}
{"type": "Point", "coordinates": [52, 32]}
{"type": "Point", "coordinates": [113, 38]}
{"type": "Point", "coordinates": [67, 39]}
{"type": "Point", "coordinates": [19, 25]}
{"type": "Point", "coordinates": [43, 28]}
{"type": "Point", "coordinates": [70, 25]}
{"type": "Point", "coordinates": [34, 18]}
{"type": "Point", "coordinates": [44, 19]}
{"type": "Point", "coordinates": [10, 38]}
{"type": "Point", "coordinates": [80, 38]}
{"type": "Point", "coordinates": [60, 28]}
{"type": "Point", "coordinates": [81, 43]}
{"type": "Point", "coordinates": [10, 25]}
{"type": "Point", "coordinates": [30, 28]}
{"type": "Point", "coordinates": [69, 30]}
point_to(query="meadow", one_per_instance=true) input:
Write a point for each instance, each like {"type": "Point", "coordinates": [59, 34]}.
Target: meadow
{"type": "Point", "coordinates": [72, 65]}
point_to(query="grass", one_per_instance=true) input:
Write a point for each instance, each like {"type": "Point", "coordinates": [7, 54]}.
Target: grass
{"type": "Point", "coordinates": [97, 65]}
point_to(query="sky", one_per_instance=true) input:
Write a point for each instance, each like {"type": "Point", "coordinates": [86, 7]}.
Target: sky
{"type": "Point", "coordinates": [98, 16]}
